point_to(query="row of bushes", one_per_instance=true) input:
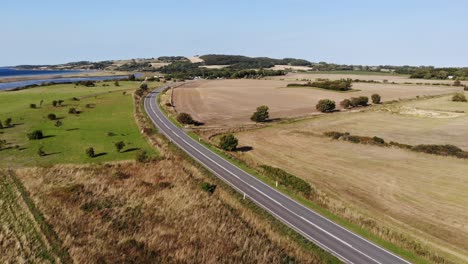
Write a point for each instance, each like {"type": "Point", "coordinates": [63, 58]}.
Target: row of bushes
{"type": "Point", "coordinates": [336, 85]}
{"type": "Point", "coordinates": [290, 181]}
{"type": "Point", "coordinates": [442, 150]}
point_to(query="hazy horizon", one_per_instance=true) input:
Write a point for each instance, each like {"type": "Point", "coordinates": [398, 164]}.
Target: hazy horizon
{"type": "Point", "coordinates": [429, 33]}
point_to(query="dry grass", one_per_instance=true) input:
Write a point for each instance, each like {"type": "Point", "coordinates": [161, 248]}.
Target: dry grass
{"type": "Point", "coordinates": [21, 240]}
{"type": "Point", "coordinates": [151, 213]}
{"type": "Point", "coordinates": [232, 102]}
{"type": "Point", "coordinates": [419, 194]}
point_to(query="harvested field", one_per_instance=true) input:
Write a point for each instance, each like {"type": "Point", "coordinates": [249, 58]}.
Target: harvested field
{"type": "Point", "coordinates": [152, 213]}
{"type": "Point", "coordinates": [232, 102]}
{"type": "Point", "coordinates": [419, 194]}
{"type": "Point", "coordinates": [195, 59]}
{"type": "Point", "coordinates": [399, 79]}
{"type": "Point", "coordinates": [289, 67]}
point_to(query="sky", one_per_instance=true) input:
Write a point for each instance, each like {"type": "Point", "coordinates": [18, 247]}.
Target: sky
{"type": "Point", "coordinates": [397, 32]}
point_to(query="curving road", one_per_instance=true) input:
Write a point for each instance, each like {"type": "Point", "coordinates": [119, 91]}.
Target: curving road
{"type": "Point", "coordinates": [345, 245]}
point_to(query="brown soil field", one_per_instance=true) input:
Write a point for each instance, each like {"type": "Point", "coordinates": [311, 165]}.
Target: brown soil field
{"type": "Point", "coordinates": [232, 102]}
{"type": "Point", "coordinates": [153, 213]}
{"type": "Point", "coordinates": [419, 194]}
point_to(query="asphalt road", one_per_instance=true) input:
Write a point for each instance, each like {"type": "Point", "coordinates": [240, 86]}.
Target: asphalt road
{"type": "Point", "coordinates": [345, 245]}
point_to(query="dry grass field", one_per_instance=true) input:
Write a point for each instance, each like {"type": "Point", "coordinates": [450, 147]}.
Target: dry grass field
{"type": "Point", "coordinates": [419, 194]}
{"type": "Point", "coordinates": [232, 102]}
{"type": "Point", "coordinates": [153, 213]}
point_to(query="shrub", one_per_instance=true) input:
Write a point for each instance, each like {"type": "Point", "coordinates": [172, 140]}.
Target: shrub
{"type": "Point", "coordinates": [8, 122]}
{"type": "Point", "coordinates": [54, 103]}
{"type": "Point", "coordinates": [290, 181]}
{"type": "Point", "coordinates": [1, 125]}
{"type": "Point", "coordinates": [378, 140]}
{"type": "Point", "coordinates": [90, 152]}
{"type": "Point", "coordinates": [52, 116]}
{"type": "Point", "coordinates": [228, 142]}
{"type": "Point", "coordinates": [41, 152]}
{"type": "Point", "coordinates": [33, 106]}
{"type": "Point", "coordinates": [60, 102]}
{"type": "Point", "coordinates": [261, 115]}
{"type": "Point", "coordinates": [207, 187]}
{"type": "Point", "coordinates": [116, 83]}
{"type": "Point", "coordinates": [457, 83]}
{"type": "Point", "coordinates": [132, 77]}
{"type": "Point", "coordinates": [58, 123]}
{"type": "Point", "coordinates": [346, 103]}
{"type": "Point", "coordinates": [119, 145]}
{"type": "Point", "coordinates": [325, 105]}
{"type": "Point", "coordinates": [185, 119]}
{"type": "Point", "coordinates": [3, 143]}
{"type": "Point", "coordinates": [144, 86]}
{"type": "Point", "coordinates": [142, 156]}
{"type": "Point", "coordinates": [375, 99]}
{"type": "Point", "coordinates": [359, 101]}
{"type": "Point", "coordinates": [335, 134]}
{"type": "Point", "coordinates": [35, 135]}
{"type": "Point", "coordinates": [72, 111]}
{"type": "Point", "coordinates": [459, 97]}
{"type": "Point", "coordinates": [445, 150]}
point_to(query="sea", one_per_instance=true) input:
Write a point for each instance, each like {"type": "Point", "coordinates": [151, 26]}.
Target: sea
{"type": "Point", "coordinates": [6, 73]}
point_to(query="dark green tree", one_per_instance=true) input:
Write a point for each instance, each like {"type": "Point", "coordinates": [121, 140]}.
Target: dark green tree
{"type": "Point", "coordinates": [58, 123]}
{"type": "Point", "coordinates": [325, 105]}
{"type": "Point", "coordinates": [8, 122]}
{"type": "Point", "coordinates": [185, 118]}
{"type": "Point", "coordinates": [51, 116]}
{"type": "Point", "coordinates": [261, 115]}
{"type": "Point", "coordinates": [119, 145]}
{"type": "Point", "coordinates": [228, 142]}
{"type": "Point", "coordinates": [35, 135]}
{"type": "Point", "coordinates": [375, 99]}
{"type": "Point", "coordinates": [90, 152]}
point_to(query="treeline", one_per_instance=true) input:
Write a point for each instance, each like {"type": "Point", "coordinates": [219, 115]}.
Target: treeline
{"type": "Point", "coordinates": [188, 71]}
{"type": "Point", "coordinates": [244, 62]}
{"type": "Point", "coordinates": [172, 58]}
{"type": "Point", "coordinates": [439, 73]}
{"type": "Point", "coordinates": [336, 85]}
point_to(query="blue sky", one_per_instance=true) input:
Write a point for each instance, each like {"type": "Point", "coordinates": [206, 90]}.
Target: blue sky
{"type": "Point", "coordinates": [393, 32]}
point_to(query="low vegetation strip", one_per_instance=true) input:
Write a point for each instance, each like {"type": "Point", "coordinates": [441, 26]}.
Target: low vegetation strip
{"type": "Point", "coordinates": [442, 150]}
{"type": "Point", "coordinates": [335, 85]}
{"type": "Point", "coordinates": [291, 182]}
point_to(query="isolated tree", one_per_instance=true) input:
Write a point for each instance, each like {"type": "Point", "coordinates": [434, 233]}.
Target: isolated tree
{"type": "Point", "coordinates": [228, 142]}
{"type": "Point", "coordinates": [325, 105]}
{"type": "Point", "coordinates": [261, 115]}
{"type": "Point", "coordinates": [459, 97]}
{"type": "Point", "coordinates": [375, 99]}
{"type": "Point", "coordinates": [119, 145]}
{"type": "Point", "coordinates": [116, 83]}
{"type": "Point", "coordinates": [54, 103]}
{"type": "Point", "coordinates": [72, 111]}
{"type": "Point", "coordinates": [33, 106]}
{"type": "Point", "coordinates": [144, 86]}
{"type": "Point", "coordinates": [8, 122]}
{"type": "Point", "coordinates": [58, 123]}
{"type": "Point", "coordinates": [35, 135]}
{"type": "Point", "coordinates": [52, 116]}
{"type": "Point", "coordinates": [132, 77]}
{"type": "Point", "coordinates": [142, 156]}
{"type": "Point", "coordinates": [90, 152]}
{"type": "Point", "coordinates": [346, 103]}
{"type": "Point", "coordinates": [457, 83]}
{"type": "Point", "coordinates": [185, 118]}
{"type": "Point", "coordinates": [60, 102]}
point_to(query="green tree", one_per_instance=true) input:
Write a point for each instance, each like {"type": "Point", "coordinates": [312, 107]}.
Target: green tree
{"type": "Point", "coordinates": [72, 111]}
{"type": "Point", "coordinates": [325, 105]}
{"type": "Point", "coordinates": [144, 86]}
{"type": "Point", "coordinates": [35, 135]}
{"type": "Point", "coordinates": [346, 103]}
{"type": "Point", "coordinates": [54, 103]}
{"type": "Point", "coordinates": [8, 122]}
{"type": "Point", "coordinates": [185, 118]}
{"type": "Point", "coordinates": [116, 83]}
{"type": "Point", "coordinates": [375, 99]}
{"type": "Point", "coordinates": [119, 145]}
{"type": "Point", "coordinates": [52, 116]}
{"type": "Point", "coordinates": [261, 115]}
{"type": "Point", "coordinates": [90, 152]}
{"type": "Point", "coordinates": [228, 142]}
{"type": "Point", "coordinates": [33, 106]}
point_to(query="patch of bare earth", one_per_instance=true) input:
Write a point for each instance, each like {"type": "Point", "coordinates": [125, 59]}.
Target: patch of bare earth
{"type": "Point", "coordinates": [232, 102]}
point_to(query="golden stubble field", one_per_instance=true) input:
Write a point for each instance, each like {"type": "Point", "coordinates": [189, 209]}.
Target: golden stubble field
{"type": "Point", "coordinates": [420, 194]}
{"type": "Point", "coordinates": [232, 102]}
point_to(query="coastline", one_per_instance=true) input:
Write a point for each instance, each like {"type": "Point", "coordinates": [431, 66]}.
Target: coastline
{"type": "Point", "coordinates": [61, 76]}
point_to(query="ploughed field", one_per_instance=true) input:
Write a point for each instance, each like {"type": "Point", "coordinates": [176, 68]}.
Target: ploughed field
{"type": "Point", "coordinates": [232, 102]}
